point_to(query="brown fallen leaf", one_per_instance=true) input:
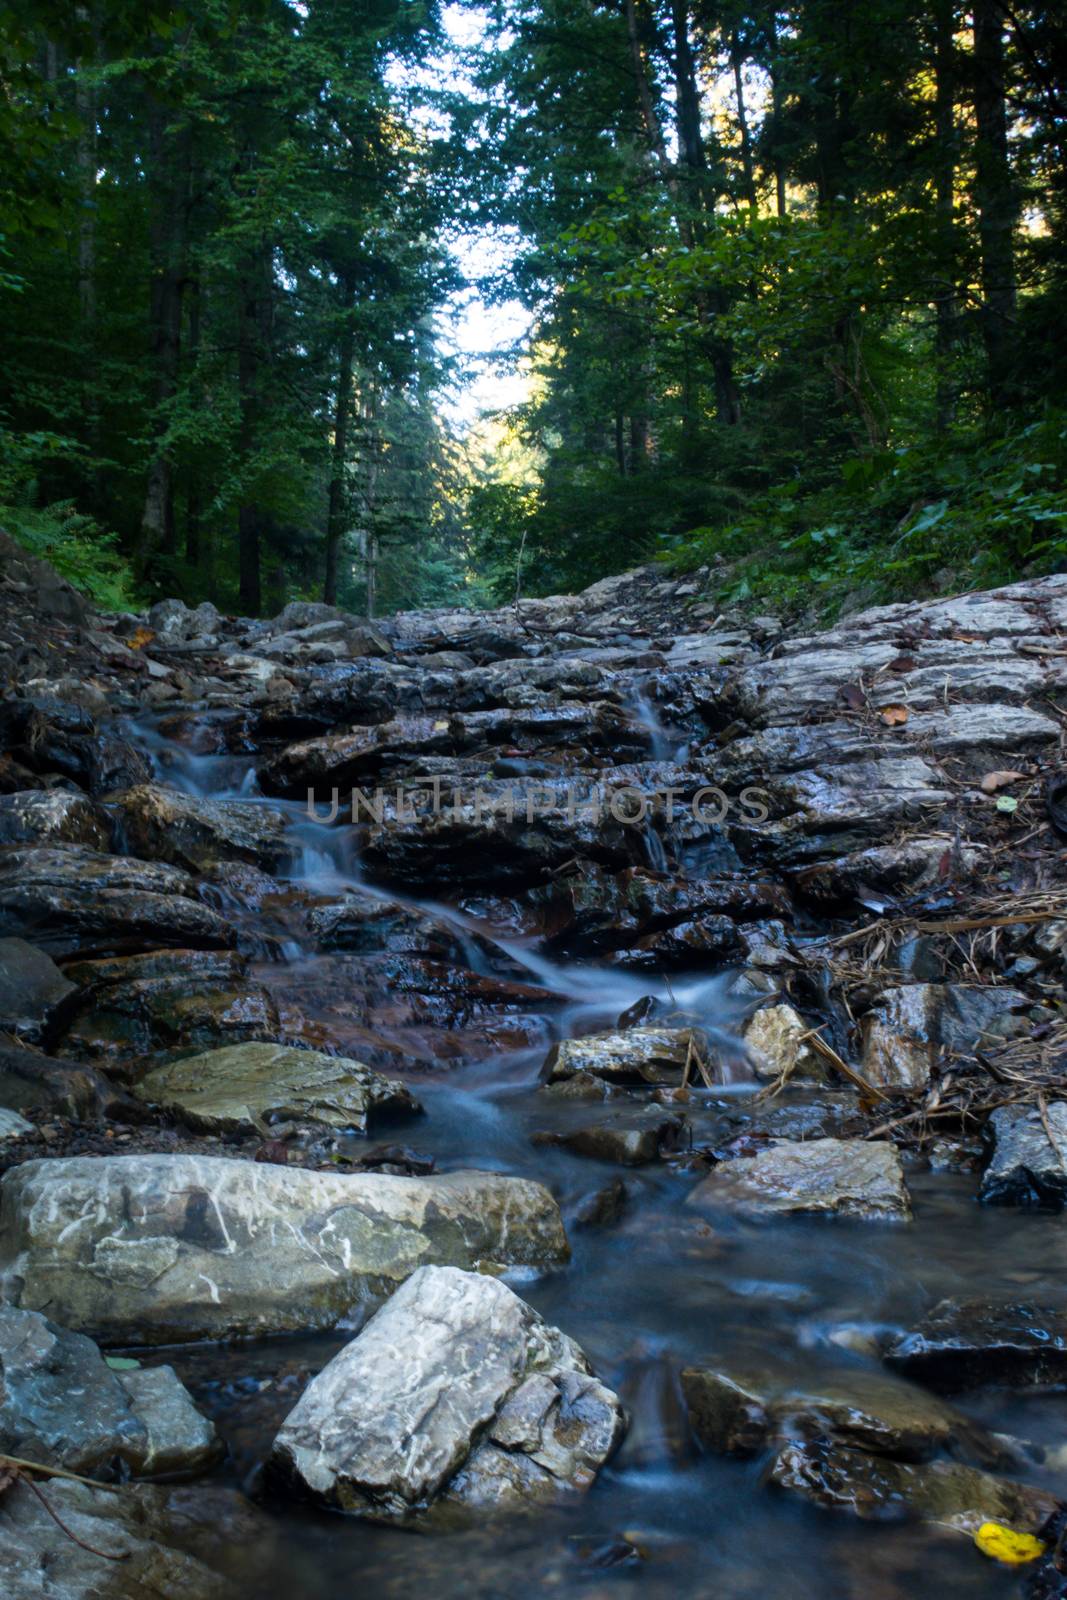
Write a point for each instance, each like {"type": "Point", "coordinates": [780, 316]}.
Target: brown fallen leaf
{"type": "Point", "coordinates": [894, 716]}
{"type": "Point", "coordinates": [139, 638]}
{"type": "Point", "coordinates": [902, 664]}
{"type": "Point", "coordinates": [853, 696]}
{"type": "Point", "coordinates": [999, 780]}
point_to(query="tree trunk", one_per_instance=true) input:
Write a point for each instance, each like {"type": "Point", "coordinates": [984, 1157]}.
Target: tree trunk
{"type": "Point", "coordinates": [711, 304]}
{"type": "Point", "coordinates": [620, 444]}
{"type": "Point", "coordinates": [781, 203]}
{"type": "Point", "coordinates": [193, 496]}
{"type": "Point", "coordinates": [372, 575]}
{"type": "Point", "coordinates": [995, 196]}
{"type": "Point", "coordinates": [85, 106]}
{"type": "Point", "coordinates": [747, 168]}
{"type": "Point", "coordinates": [639, 443]}
{"type": "Point", "coordinates": [687, 97]}
{"type": "Point", "coordinates": [653, 131]}
{"type": "Point", "coordinates": [335, 515]}
{"type": "Point", "coordinates": [167, 229]}
{"type": "Point", "coordinates": [945, 138]}
{"type": "Point", "coordinates": [254, 320]}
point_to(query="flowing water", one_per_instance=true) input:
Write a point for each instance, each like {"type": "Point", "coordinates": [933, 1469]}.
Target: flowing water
{"type": "Point", "coordinates": [662, 1287]}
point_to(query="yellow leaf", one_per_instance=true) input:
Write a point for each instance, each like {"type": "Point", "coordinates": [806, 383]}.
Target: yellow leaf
{"type": "Point", "coordinates": [139, 638]}
{"type": "Point", "coordinates": [1006, 1545]}
{"type": "Point", "coordinates": [894, 716]}
{"type": "Point", "coordinates": [441, 727]}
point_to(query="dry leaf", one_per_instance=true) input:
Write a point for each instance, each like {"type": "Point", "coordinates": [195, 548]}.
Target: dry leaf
{"type": "Point", "coordinates": [902, 664]}
{"type": "Point", "coordinates": [894, 716]}
{"type": "Point", "coordinates": [853, 696]}
{"type": "Point", "coordinates": [139, 638]}
{"type": "Point", "coordinates": [999, 780]}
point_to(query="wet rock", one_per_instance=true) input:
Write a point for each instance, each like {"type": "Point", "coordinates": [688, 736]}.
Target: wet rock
{"type": "Point", "coordinates": [52, 816]}
{"type": "Point", "coordinates": [904, 1035]}
{"type": "Point", "coordinates": [178, 1438]}
{"type": "Point", "coordinates": [640, 1055]}
{"type": "Point", "coordinates": [74, 900]}
{"type": "Point", "coordinates": [31, 989]}
{"type": "Point", "coordinates": [56, 739]}
{"type": "Point", "coordinates": [162, 824]}
{"type": "Point", "coordinates": [875, 876]}
{"type": "Point", "coordinates": [964, 1344]}
{"type": "Point", "coordinates": [587, 910]}
{"type": "Point", "coordinates": [631, 1139]}
{"type": "Point", "coordinates": [742, 1413]}
{"type": "Point", "coordinates": [61, 1404]}
{"type": "Point", "coordinates": [1028, 1164]}
{"type": "Point", "coordinates": [236, 1088]}
{"type": "Point", "coordinates": [687, 945]}
{"type": "Point", "coordinates": [392, 1009]}
{"type": "Point", "coordinates": [133, 1007]}
{"type": "Point", "coordinates": [873, 1487]}
{"type": "Point", "coordinates": [818, 813]}
{"type": "Point", "coordinates": [32, 1081]}
{"type": "Point", "coordinates": [362, 754]}
{"type": "Point", "coordinates": [766, 946]}
{"type": "Point", "coordinates": [836, 1177]}
{"type": "Point", "coordinates": [160, 1248]}
{"type": "Point", "coordinates": [370, 924]}
{"type": "Point", "coordinates": [775, 1038]}
{"type": "Point", "coordinates": [455, 1389]}
{"type": "Point", "coordinates": [798, 1113]}
{"type": "Point", "coordinates": [514, 835]}
{"type": "Point", "coordinates": [602, 1208]}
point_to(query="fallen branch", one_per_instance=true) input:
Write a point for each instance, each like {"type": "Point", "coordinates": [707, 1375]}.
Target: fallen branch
{"type": "Point", "coordinates": [15, 1469]}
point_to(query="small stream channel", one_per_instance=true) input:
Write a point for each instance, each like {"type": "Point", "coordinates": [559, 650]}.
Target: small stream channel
{"type": "Point", "coordinates": [661, 1287]}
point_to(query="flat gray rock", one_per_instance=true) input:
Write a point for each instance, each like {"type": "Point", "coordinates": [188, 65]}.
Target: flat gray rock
{"type": "Point", "coordinates": [639, 1055]}
{"type": "Point", "coordinates": [246, 1084]}
{"type": "Point", "coordinates": [162, 1248]}
{"type": "Point", "coordinates": [837, 1177]}
{"type": "Point", "coordinates": [455, 1388]}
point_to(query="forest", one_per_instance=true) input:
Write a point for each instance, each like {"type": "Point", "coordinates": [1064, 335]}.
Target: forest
{"type": "Point", "coordinates": [795, 279]}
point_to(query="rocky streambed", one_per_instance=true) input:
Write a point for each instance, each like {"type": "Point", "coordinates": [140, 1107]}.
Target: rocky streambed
{"type": "Point", "coordinates": [545, 1099]}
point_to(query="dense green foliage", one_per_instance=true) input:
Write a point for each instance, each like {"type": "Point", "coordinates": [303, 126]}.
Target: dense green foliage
{"type": "Point", "coordinates": [796, 277]}
{"type": "Point", "coordinates": [798, 274]}
{"type": "Point", "coordinates": [220, 265]}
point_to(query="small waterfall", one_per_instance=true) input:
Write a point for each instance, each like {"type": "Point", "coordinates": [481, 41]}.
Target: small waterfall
{"type": "Point", "coordinates": [661, 746]}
